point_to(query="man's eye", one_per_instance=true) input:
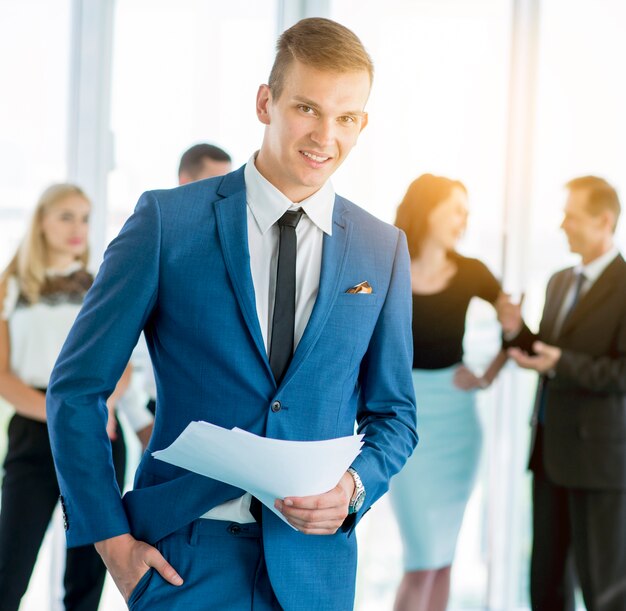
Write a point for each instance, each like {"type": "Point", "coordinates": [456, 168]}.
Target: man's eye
{"type": "Point", "coordinates": [306, 109]}
{"type": "Point", "coordinates": [347, 119]}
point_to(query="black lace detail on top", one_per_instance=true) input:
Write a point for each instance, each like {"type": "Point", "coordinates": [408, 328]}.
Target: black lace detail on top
{"type": "Point", "coordinates": [58, 290]}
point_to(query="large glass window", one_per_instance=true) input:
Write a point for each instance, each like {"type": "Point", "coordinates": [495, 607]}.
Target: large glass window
{"type": "Point", "coordinates": [34, 70]}
{"type": "Point", "coordinates": [183, 72]}
{"type": "Point", "coordinates": [438, 105]}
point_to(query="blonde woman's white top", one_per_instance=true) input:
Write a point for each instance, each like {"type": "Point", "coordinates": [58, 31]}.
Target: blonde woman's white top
{"type": "Point", "coordinates": [37, 331]}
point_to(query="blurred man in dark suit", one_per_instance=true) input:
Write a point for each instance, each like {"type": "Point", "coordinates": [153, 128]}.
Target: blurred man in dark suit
{"type": "Point", "coordinates": [578, 453]}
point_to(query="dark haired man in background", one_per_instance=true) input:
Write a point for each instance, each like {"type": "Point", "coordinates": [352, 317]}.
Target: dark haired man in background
{"type": "Point", "coordinates": [203, 161]}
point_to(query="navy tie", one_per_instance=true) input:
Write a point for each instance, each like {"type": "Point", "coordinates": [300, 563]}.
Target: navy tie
{"type": "Point", "coordinates": [283, 321]}
{"type": "Point", "coordinates": [256, 509]}
{"type": "Point", "coordinates": [543, 389]}
{"type": "Point", "coordinates": [580, 280]}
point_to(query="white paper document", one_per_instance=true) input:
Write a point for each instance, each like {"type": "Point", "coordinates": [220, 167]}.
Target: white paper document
{"type": "Point", "coordinates": [269, 469]}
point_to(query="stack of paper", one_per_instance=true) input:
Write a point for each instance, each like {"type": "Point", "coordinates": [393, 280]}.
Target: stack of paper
{"type": "Point", "coordinates": [269, 469]}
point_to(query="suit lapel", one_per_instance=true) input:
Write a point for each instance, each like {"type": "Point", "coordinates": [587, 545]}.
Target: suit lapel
{"type": "Point", "coordinates": [334, 251]}
{"type": "Point", "coordinates": [599, 290]}
{"type": "Point", "coordinates": [232, 227]}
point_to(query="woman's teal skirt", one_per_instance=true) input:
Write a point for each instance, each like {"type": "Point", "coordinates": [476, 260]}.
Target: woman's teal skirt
{"type": "Point", "coordinates": [429, 495]}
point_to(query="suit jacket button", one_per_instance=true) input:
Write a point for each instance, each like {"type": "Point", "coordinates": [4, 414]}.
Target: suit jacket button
{"type": "Point", "coordinates": [276, 407]}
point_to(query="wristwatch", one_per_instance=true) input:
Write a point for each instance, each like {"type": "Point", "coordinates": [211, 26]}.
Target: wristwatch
{"type": "Point", "coordinates": [356, 502]}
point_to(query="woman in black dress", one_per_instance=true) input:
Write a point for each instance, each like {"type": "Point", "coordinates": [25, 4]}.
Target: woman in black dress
{"type": "Point", "coordinates": [430, 494]}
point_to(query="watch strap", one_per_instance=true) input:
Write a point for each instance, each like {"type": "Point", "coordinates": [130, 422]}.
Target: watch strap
{"type": "Point", "coordinates": [358, 496]}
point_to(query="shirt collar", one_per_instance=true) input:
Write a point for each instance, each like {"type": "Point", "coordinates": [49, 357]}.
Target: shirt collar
{"type": "Point", "coordinates": [594, 269]}
{"type": "Point", "coordinates": [268, 204]}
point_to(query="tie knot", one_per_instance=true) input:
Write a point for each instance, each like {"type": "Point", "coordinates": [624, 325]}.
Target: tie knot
{"type": "Point", "coordinates": [578, 289]}
{"type": "Point", "coordinates": [580, 280]}
{"type": "Point", "coordinates": [291, 218]}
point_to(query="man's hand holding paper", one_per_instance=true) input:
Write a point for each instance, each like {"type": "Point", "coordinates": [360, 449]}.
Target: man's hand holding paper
{"type": "Point", "coordinates": [321, 514]}
{"type": "Point", "coordinates": [304, 474]}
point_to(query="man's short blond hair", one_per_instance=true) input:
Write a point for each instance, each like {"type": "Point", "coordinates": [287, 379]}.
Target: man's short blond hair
{"type": "Point", "coordinates": [321, 43]}
{"type": "Point", "coordinates": [601, 195]}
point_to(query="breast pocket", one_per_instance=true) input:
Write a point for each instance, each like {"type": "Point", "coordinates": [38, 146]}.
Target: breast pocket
{"type": "Point", "coordinates": [357, 299]}
{"type": "Point", "coordinates": [353, 318]}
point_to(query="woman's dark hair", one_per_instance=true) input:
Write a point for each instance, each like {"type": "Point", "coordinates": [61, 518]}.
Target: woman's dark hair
{"type": "Point", "coordinates": [422, 197]}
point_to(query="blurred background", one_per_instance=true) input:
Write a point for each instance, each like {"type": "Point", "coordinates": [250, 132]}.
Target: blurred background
{"type": "Point", "coordinates": [513, 97]}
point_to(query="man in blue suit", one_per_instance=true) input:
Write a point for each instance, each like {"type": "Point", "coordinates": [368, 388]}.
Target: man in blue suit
{"type": "Point", "coordinates": [268, 303]}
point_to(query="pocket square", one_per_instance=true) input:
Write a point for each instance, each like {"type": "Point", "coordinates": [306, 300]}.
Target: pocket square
{"type": "Point", "coordinates": [361, 287]}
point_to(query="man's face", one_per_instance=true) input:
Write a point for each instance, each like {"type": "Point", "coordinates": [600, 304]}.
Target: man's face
{"type": "Point", "coordinates": [585, 232]}
{"type": "Point", "coordinates": [310, 128]}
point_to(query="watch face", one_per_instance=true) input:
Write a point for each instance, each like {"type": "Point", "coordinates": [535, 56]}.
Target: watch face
{"type": "Point", "coordinates": [358, 501]}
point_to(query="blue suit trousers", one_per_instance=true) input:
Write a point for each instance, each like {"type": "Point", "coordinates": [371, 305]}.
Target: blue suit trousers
{"type": "Point", "coordinates": [222, 566]}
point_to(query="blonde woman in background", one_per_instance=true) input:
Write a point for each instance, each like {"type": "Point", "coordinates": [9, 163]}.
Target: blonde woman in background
{"type": "Point", "coordinates": [41, 292]}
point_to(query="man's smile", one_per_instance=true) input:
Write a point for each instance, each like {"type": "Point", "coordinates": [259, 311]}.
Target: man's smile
{"type": "Point", "coordinates": [317, 158]}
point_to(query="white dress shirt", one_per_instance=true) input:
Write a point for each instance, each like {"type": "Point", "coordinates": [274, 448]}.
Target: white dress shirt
{"type": "Point", "coordinates": [592, 271]}
{"type": "Point", "coordinates": [266, 204]}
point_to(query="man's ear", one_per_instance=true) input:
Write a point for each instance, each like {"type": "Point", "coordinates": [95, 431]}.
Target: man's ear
{"type": "Point", "coordinates": [612, 220]}
{"type": "Point", "coordinates": [364, 120]}
{"type": "Point", "coordinates": [607, 220]}
{"type": "Point", "coordinates": [263, 101]}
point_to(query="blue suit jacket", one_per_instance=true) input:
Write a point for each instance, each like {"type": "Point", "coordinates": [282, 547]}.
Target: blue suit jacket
{"type": "Point", "coordinates": [180, 271]}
